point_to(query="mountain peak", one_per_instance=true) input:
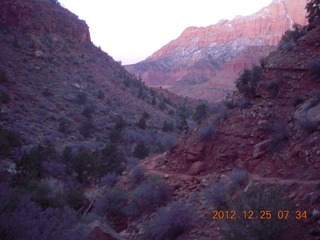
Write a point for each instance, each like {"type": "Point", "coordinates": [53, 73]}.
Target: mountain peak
{"type": "Point", "coordinates": [196, 58]}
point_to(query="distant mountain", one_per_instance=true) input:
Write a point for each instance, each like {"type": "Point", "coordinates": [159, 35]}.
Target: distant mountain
{"type": "Point", "coordinates": [204, 61]}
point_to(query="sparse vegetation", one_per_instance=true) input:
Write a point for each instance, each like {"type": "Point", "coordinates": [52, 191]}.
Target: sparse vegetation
{"type": "Point", "coordinates": [3, 77]}
{"type": "Point", "coordinates": [315, 69]}
{"type": "Point", "coordinates": [202, 111]}
{"type": "Point", "coordinates": [313, 10]}
{"type": "Point", "coordinates": [142, 123]}
{"type": "Point", "coordinates": [258, 200]}
{"type": "Point", "coordinates": [81, 98]}
{"type": "Point", "coordinates": [208, 133]}
{"type": "Point", "coordinates": [87, 128]}
{"type": "Point", "coordinates": [170, 222]}
{"type": "Point", "coordinates": [140, 151]}
{"type": "Point", "coordinates": [291, 36]}
{"type": "Point", "coordinates": [8, 141]}
{"type": "Point", "coordinates": [247, 82]}
{"type": "Point", "coordinates": [167, 126]}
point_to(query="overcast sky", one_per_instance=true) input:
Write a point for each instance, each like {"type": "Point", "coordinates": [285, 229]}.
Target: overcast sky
{"type": "Point", "coordinates": [131, 30]}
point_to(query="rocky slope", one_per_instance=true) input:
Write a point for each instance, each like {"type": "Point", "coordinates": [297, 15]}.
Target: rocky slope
{"type": "Point", "coordinates": [204, 61]}
{"type": "Point", "coordinates": [274, 135]}
{"type": "Point", "coordinates": [54, 76]}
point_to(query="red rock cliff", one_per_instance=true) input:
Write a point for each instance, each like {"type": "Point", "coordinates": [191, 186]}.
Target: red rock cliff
{"type": "Point", "coordinates": [25, 15]}
{"type": "Point", "coordinates": [202, 55]}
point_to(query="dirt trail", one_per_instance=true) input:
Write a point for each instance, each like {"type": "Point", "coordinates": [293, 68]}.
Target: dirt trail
{"type": "Point", "coordinates": [149, 166]}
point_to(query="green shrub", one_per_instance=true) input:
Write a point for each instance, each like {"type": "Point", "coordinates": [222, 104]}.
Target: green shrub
{"type": "Point", "coordinates": [313, 10]}
{"type": "Point", "coordinates": [87, 128]}
{"type": "Point", "coordinates": [8, 141]}
{"type": "Point", "coordinates": [247, 82]}
{"type": "Point", "coordinates": [101, 94]}
{"type": "Point", "coordinates": [3, 77]}
{"type": "Point", "coordinates": [142, 123]}
{"type": "Point", "coordinates": [170, 222]}
{"type": "Point", "coordinates": [81, 98]}
{"type": "Point", "coordinates": [4, 98]}
{"type": "Point", "coordinates": [64, 125]}
{"type": "Point", "coordinates": [258, 200]}
{"type": "Point", "coordinates": [112, 203]}
{"type": "Point", "coordinates": [315, 69]}
{"type": "Point", "coordinates": [202, 111]}
{"type": "Point", "coordinates": [208, 133]}
{"type": "Point", "coordinates": [75, 198]}
{"type": "Point", "coordinates": [140, 151]}
{"type": "Point", "coordinates": [167, 127]}
{"type": "Point", "coordinates": [88, 111]}
{"type": "Point", "coordinates": [162, 106]}
{"type": "Point", "coordinates": [291, 36]}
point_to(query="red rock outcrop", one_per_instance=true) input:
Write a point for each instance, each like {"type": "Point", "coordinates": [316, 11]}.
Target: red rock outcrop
{"type": "Point", "coordinates": [43, 17]}
{"type": "Point", "coordinates": [206, 58]}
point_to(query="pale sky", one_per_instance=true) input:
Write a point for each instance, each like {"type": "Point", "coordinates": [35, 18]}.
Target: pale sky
{"type": "Point", "coordinates": [131, 30]}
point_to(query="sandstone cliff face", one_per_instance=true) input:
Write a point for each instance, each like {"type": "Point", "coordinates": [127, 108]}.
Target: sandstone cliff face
{"type": "Point", "coordinates": [213, 56]}
{"type": "Point", "coordinates": [43, 17]}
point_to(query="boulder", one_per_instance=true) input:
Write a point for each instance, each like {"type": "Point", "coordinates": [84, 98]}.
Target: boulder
{"type": "Point", "coordinates": [261, 148]}
{"type": "Point", "coordinates": [102, 231]}
{"type": "Point", "coordinates": [196, 168]}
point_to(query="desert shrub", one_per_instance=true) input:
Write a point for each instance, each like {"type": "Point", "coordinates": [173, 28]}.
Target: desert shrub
{"type": "Point", "coordinates": [313, 10]}
{"type": "Point", "coordinates": [258, 199]}
{"type": "Point", "coordinates": [8, 141]}
{"type": "Point", "coordinates": [86, 128]}
{"type": "Point", "coordinates": [171, 112]}
{"type": "Point", "coordinates": [146, 115]}
{"type": "Point", "coordinates": [170, 222]}
{"type": "Point", "coordinates": [137, 176]}
{"type": "Point", "coordinates": [30, 165]}
{"type": "Point", "coordinates": [167, 126]}
{"type": "Point", "coordinates": [162, 106]}
{"type": "Point", "coordinates": [148, 196]}
{"type": "Point", "coordinates": [4, 98]}
{"type": "Point", "coordinates": [112, 203]}
{"type": "Point", "coordinates": [208, 133]}
{"type": "Point", "coordinates": [247, 82]}
{"type": "Point", "coordinates": [315, 69]}
{"type": "Point", "coordinates": [109, 180]}
{"type": "Point", "coordinates": [140, 151]}
{"type": "Point", "coordinates": [75, 197]}
{"type": "Point", "coordinates": [291, 36]}
{"type": "Point", "coordinates": [142, 123]}
{"type": "Point", "coordinates": [202, 111]}
{"type": "Point", "coordinates": [112, 161]}
{"type": "Point", "coordinates": [47, 193]}
{"type": "Point", "coordinates": [64, 125]}
{"type": "Point", "coordinates": [3, 77]}
{"type": "Point", "coordinates": [244, 104]}
{"type": "Point", "coordinates": [238, 176]}
{"type": "Point", "coordinates": [296, 100]}
{"type": "Point", "coordinates": [101, 94]}
{"type": "Point", "coordinates": [279, 135]}
{"type": "Point", "coordinates": [81, 98]}
{"type": "Point", "coordinates": [273, 88]}
{"type": "Point", "coordinates": [167, 142]}
{"type": "Point", "coordinates": [82, 164]}
{"type": "Point", "coordinates": [307, 126]}
{"type": "Point", "coordinates": [217, 196]}
{"type": "Point", "coordinates": [20, 218]}
{"type": "Point", "coordinates": [88, 111]}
